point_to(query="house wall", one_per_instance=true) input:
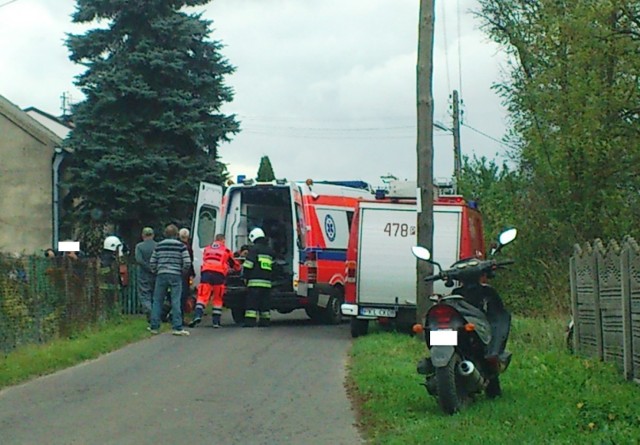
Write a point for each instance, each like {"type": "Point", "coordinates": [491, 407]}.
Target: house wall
{"type": "Point", "coordinates": [25, 189]}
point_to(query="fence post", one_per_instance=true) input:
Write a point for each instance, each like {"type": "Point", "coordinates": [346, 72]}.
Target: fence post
{"type": "Point", "coordinates": [598, 249]}
{"type": "Point", "coordinates": [574, 297]}
{"type": "Point", "coordinates": [627, 341]}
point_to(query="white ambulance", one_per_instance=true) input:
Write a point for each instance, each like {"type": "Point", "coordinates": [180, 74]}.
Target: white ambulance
{"type": "Point", "coordinates": [307, 224]}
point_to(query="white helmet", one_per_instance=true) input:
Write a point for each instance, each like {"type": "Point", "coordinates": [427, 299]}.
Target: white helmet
{"type": "Point", "coordinates": [255, 234]}
{"type": "Point", "coordinates": [112, 243]}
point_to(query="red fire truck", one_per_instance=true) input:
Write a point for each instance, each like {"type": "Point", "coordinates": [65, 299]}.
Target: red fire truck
{"type": "Point", "coordinates": [307, 224]}
{"type": "Point", "coordinates": [380, 268]}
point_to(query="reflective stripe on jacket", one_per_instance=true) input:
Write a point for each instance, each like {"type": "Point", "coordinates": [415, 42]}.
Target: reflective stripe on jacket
{"type": "Point", "coordinates": [258, 266]}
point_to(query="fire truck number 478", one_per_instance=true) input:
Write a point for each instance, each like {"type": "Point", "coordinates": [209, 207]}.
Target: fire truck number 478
{"type": "Point", "coordinates": [397, 229]}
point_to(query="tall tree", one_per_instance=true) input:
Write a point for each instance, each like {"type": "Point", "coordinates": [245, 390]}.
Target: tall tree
{"type": "Point", "coordinates": [573, 98]}
{"type": "Point", "coordinates": [572, 94]}
{"type": "Point", "coordinates": [150, 126]}
{"type": "Point", "coordinates": [265, 171]}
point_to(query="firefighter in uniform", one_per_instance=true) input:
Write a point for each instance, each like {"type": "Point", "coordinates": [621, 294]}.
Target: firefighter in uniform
{"type": "Point", "coordinates": [110, 280]}
{"type": "Point", "coordinates": [257, 272]}
{"type": "Point", "coordinates": [216, 261]}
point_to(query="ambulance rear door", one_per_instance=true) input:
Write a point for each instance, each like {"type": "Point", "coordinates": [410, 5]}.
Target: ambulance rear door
{"type": "Point", "coordinates": [207, 221]}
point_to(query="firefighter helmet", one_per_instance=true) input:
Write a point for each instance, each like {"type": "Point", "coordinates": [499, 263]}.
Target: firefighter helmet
{"type": "Point", "coordinates": [112, 243]}
{"type": "Point", "coordinates": [255, 234]}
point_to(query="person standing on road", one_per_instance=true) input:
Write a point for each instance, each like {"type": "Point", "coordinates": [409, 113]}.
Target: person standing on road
{"type": "Point", "coordinates": [257, 268]}
{"type": "Point", "coordinates": [169, 261]}
{"type": "Point", "coordinates": [146, 279]}
{"type": "Point", "coordinates": [184, 235]}
{"type": "Point", "coordinates": [216, 261]}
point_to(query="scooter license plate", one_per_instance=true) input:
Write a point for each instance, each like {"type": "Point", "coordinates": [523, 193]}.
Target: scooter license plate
{"type": "Point", "coordinates": [445, 337]}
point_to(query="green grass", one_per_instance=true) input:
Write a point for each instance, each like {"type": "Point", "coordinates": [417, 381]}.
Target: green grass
{"type": "Point", "coordinates": [549, 396]}
{"type": "Point", "coordinates": [31, 361]}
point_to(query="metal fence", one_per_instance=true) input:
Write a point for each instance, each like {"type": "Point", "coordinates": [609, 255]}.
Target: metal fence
{"type": "Point", "coordinates": [605, 298]}
{"type": "Point", "coordinates": [44, 298]}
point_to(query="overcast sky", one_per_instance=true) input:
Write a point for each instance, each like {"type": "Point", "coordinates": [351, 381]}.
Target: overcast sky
{"type": "Point", "coordinates": [325, 88]}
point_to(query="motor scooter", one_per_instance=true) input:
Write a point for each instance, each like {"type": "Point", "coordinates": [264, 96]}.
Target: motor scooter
{"type": "Point", "coordinates": [466, 332]}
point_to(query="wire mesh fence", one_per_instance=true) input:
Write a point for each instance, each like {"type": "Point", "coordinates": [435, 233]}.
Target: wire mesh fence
{"type": "Point", "coordinates": [44, 298]}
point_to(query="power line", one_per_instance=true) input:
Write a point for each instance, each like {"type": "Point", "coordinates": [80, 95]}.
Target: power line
{"type": "Point", "coordinates": [7, 3]}
{"type": "Point", "coordinates": [487, 136]}
{"type": "Point", "coordinates": [459, 51]}
{"type": "Point", "coordinates": [446, 54]}
{"type": "Point", "coordinates": [336, 129]}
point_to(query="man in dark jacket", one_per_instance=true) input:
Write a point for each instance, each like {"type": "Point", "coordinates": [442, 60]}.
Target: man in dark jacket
{"type": "Point", "coordinates": [256, 270]}
{"type": "Point", "coordinates": [170, 260]}
{"type": "Point", "coordinates": [184, 236]}
{"type": "Point", "coordinates": [146, 279]}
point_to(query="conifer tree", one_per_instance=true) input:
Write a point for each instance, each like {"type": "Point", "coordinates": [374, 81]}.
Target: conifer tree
{"type": "Point", "coordinates": [150, 126]}
{"type": "Point", "coordinates": [265, 171]}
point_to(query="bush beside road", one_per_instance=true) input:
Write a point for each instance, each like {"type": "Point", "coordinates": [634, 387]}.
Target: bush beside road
{"type": "Point", "coordinates": [549, 396]}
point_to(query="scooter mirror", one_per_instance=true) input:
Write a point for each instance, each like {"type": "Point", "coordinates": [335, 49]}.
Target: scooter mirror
{"type": "Point", "coordinates": [507, 236]}
{"type": "Point", "coordinates": [421, 252]}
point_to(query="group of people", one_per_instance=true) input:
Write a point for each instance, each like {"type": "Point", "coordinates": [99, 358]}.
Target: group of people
{"type": "Point", "coordinates": [164, 267]}
{"type": "Point", "coordinates": [167, 266]}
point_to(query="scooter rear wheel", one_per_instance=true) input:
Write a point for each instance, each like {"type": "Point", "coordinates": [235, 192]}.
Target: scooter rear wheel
{"type": "Point", "coordinates": [451, 392]}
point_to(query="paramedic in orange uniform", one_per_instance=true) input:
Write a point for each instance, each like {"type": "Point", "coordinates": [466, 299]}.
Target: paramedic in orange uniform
{"type": "Point", "coordinates": [216, 261]}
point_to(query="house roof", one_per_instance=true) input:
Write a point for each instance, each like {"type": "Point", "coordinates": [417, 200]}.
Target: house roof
{"type": "Point", "coordinates": [49, 116]}
{"type": "Point", "coordinates": [53, 123]}
{"type": "Point", "coordinates": [38, 131]}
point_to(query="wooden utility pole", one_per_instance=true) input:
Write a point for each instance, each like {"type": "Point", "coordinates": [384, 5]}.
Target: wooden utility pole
{"type": "Point", "coordinates": [424, 72]}
{"type": "Point", "coordinates": [457, 152]}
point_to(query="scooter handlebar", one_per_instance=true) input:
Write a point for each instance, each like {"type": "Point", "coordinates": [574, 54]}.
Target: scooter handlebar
{"type": "Point", "coordinates": [432, 277]}
{"type": "Point", "coordinates": [505, 263]}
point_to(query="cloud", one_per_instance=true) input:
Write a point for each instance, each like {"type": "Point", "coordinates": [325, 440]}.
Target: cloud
{"type": "Point", "coordinates": [325, 89]}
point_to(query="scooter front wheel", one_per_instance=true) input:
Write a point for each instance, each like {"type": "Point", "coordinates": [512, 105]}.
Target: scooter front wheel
{"type": "Point", "coordinates": [451, 391]}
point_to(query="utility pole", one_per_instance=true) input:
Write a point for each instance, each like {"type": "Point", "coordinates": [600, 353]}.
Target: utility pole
{"type": "Point", "coordinates": [457, 153]}
{"type": "Point", "coordinates": [424, 73]}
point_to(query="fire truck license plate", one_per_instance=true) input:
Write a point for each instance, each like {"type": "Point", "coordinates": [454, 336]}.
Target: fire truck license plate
{"type": "Point", "coordinates": [377, 312]}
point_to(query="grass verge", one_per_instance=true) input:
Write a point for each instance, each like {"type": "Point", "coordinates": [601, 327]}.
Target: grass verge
{"type": "Point", "coordinates": [549, 395]}
{"type": "Point", "coordinates": [32, 361]}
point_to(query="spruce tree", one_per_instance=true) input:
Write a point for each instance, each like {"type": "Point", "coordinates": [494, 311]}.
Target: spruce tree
{"type": "Point", "coordinates": [265, 171]}
{"type": "Point", "coordinates": [150, 126]}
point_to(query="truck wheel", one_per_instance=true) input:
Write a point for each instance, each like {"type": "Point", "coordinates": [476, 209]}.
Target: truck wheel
{"type": "Point", "coordinates": [333, 313]}
{"type": "Point", "coordinates": [314, 313]}
{"type": "Point", "coordinates": [238, 315]}
{"type": "Point", "coordinates": [359, 327]}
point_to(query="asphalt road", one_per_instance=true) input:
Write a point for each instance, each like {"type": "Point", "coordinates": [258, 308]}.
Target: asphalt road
{"type": "Point", "coordinates": [280, 385]}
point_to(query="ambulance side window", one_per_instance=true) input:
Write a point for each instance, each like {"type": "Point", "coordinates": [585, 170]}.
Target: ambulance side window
{"type": "Point", "coordinates": [300, 228]}
{"type": "Point", "coordinates": [206, 225]}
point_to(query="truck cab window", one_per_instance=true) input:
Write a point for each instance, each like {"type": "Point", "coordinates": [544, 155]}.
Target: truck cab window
{"type": "Point", "coordinates": [300, 227]}
{"type": "Point", "coordinates": [349, 219]}
{"type": "Point", "coordinates": [206, 225]}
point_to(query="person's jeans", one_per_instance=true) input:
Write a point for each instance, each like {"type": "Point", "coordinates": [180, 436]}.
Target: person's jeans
{"type": "Point", "coordinates": [145, 290]}
{"type": "Point", "coordinates": [163, 283]}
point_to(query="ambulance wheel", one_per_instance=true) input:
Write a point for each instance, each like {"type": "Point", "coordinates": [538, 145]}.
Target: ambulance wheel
{"type": "Point", "coordinates": [238, 315]}
{"type": "Point", "coordinates": [359, 327]}
{"type": "Point", "coordinates": [333, 312]}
